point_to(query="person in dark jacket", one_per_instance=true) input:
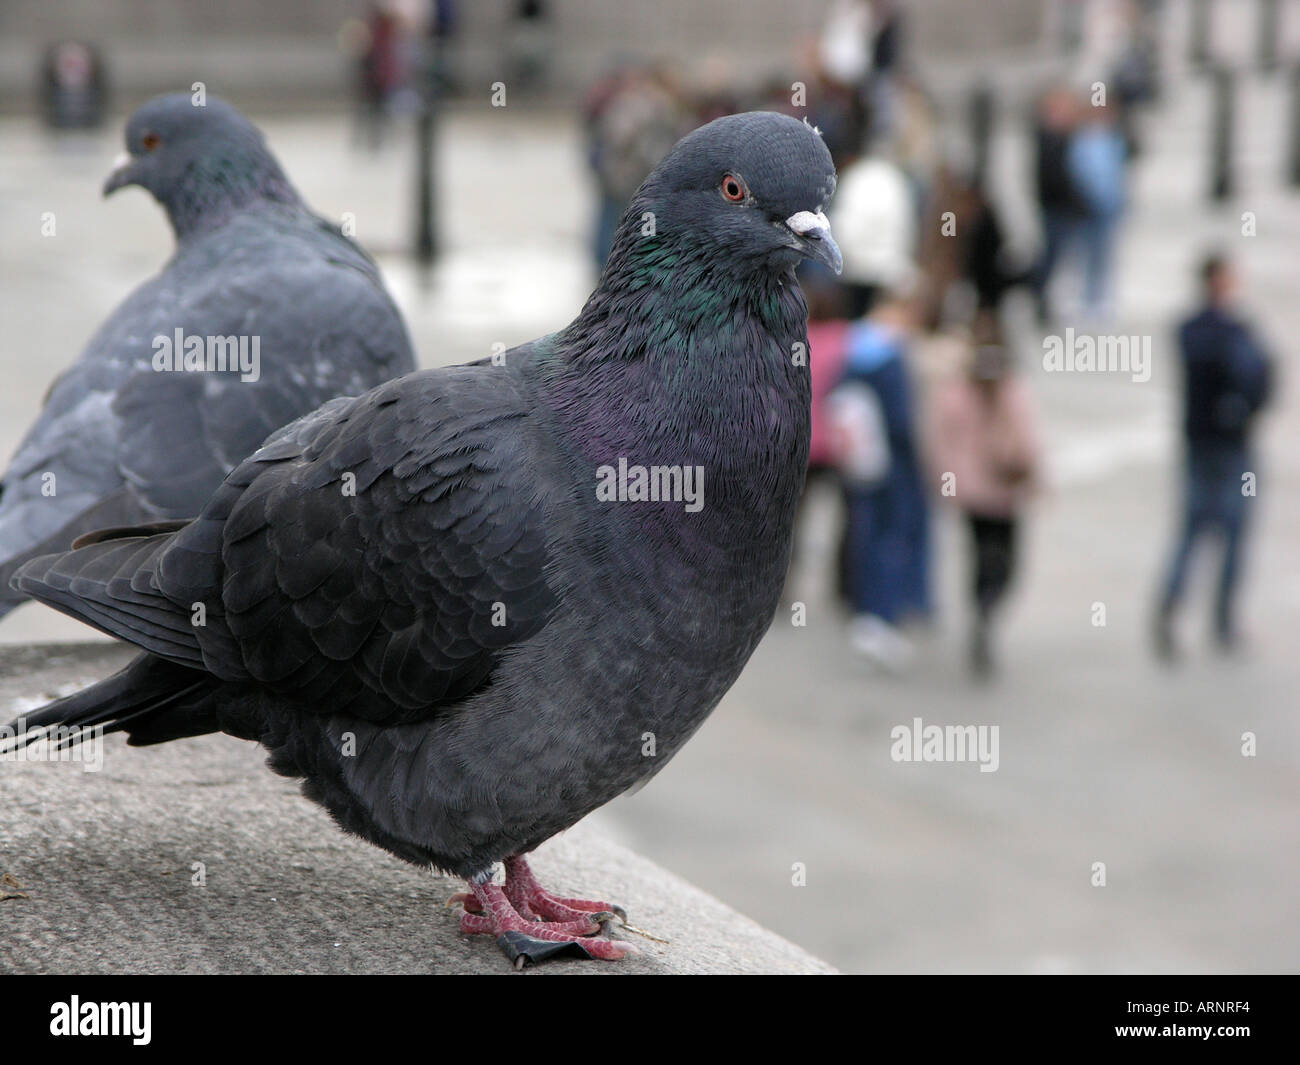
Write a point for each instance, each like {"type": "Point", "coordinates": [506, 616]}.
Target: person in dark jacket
{"type": "Point", "coordinates": [1060, 205]}
{"type": "Point", "coordinates": [1226, 380]}
{"type": "Point", "coordinates": [988, 259]}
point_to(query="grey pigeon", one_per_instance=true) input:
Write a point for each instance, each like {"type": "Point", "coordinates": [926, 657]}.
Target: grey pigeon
{"type": "Point", "coordinates": [124, 437]}
{"type": "Point", "coordinates": [476, 603]}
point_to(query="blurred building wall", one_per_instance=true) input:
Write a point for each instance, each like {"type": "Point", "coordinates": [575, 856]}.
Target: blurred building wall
{"type": "Point", "coordinates": [286, 51]}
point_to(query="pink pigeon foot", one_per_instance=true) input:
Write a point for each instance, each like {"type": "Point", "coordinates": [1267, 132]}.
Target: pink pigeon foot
{"type": "Point", "coordinates": [531, 924]}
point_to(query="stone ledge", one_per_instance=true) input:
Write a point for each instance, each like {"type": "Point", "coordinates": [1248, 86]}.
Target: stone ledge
{"type": "Point", "coordinates": [106, 862]}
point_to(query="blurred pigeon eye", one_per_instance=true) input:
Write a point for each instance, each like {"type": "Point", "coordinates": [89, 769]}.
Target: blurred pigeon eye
{"type": "Point", "coordinates": [150, 141]}
{"type": "Point", "coordinates": [733, 189]}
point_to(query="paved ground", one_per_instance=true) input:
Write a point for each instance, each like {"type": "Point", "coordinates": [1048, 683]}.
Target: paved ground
{"type": "Point", "coordinates": [1104, 756]}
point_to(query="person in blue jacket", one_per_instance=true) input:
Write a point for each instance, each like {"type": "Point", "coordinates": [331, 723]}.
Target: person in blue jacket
{"type": "Point", "coordinates": [887, 536]}
{"type": "Point", "coordinates": [1098, 162]}
{"type": "Point", "coordinates": [1227, 378]}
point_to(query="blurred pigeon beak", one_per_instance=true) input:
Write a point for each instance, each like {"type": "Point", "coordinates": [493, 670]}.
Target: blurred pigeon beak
{"type": "Point", "coordinates": [121, 174]}
{"type": "Point", "coordinates": [816, 241]}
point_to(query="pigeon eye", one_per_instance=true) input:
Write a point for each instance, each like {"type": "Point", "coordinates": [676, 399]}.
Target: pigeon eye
{"type": "Point", "coordinates": [150, 141]}
{"type": "Point", "coordinates": [733, 189]}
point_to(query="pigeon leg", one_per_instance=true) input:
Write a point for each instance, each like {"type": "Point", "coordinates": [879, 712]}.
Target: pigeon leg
{"type": "Point", "coordinates": [535, 903]}
{"type": "Point", "coordinates": [523, 939]}
{"type": "Point", "coordinates": [528, 896]}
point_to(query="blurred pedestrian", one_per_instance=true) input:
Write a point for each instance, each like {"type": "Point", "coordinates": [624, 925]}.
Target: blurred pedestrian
{"type": "Point", "coordinates": [1227, 377]}
{"type": "Point", "coordinates": [73, 86]}
{"type": "Point", "coordinates": [862, 46]}
{"type": "Point", "coordinates": [874, 219]}
{"type": "Point", "coordinates": [991, 266]}
{"type": "Point", "coordinates": [1059, 202]}
{"type": "Point", "coordinates": [845, 45]}
{"type": "Point", "coordinates": [1098, 163]}
{"type": "Point", "coordinates": [441, 27]}
{"type": "Point", "coordinates": [915, 139]}
{"type": "Point", "coordinates": [886, 555]}
{"type": "Point", "coordinates": [633, 117]}
{"type": "Point", "coordinates": [888, 64]}
{"type": "Point", "coordinates": [529, 44]}
{"type": "Point", "coordinates": [975, 254]}
{"type": "Point", "coordinates": [827, 344]}
{"type": "Point", "coordinates": [985, 449]}
{"type": "Point", "coordinates": [383, 69]}
{"type": "Point", "coordinates": [828, 333]}
{"type": "Point", "coordinates": [1135, 72]}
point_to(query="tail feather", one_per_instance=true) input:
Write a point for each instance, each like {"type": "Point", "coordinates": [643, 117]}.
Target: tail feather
{"type": "Point", "coordinates": [117, 510]}
{"type": "Point", "coordinates": [109, 583]}
{"type": "Point", "coordinates": [148, 688]}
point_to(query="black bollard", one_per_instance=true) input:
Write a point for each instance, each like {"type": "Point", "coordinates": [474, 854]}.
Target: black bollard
{"type": "Point", "coordinates": [1224, 91]}
{"type": "Point", "coordinates": [1293, 153]}
{"type": "Point", "coordinates": [426, 236]}
{"type": "Point", "coordinates": [1199, 35]}
{"type": "Point", "coordinates": [980, 114]}
{"type": "Point", "coordinates": [426, 231]}
{"type": "Point", "coordinates": [1266, 31]}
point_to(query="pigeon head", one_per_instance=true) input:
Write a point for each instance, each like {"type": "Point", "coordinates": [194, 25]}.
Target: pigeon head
{"type": "Point", "coordinates": [199, 161]}
{"type": "Point", "coordinates": [750, 189]}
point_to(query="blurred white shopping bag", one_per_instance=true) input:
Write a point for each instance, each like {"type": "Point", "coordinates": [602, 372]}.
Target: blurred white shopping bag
{"type": "Point", "coordinates": [859, 440]}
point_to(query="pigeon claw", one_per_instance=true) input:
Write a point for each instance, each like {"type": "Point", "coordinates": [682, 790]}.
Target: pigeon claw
{"type": "Point", "coordinates": [530, 898]}
{"type": "Point", "coordinates": [465, 900]}
{"type": "Point", "coordinates": [532, 925]}
{"type": "Point", "coordinates": [482, 923]}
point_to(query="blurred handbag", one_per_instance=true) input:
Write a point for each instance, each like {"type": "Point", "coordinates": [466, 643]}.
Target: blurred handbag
{"type": "Point", "coordinates": [859, 440]}
{"type": "Point", "coordinates": [1010, 453]}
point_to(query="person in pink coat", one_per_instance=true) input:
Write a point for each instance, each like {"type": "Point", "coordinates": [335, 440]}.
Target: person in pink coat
{"type": "Point", "coordinates": [987, 458]}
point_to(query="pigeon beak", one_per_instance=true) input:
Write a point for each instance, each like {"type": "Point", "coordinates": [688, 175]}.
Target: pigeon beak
{"type": "Point", "coordinates": [815, 240]}
{"type": "Point", "coordinates": [121, 174]}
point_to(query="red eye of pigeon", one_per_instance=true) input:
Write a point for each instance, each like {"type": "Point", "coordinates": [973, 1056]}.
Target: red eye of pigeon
{"type": "Point", "coordinates": [150, 141]}
{"type": "Point", "coordinates": [733, 188]}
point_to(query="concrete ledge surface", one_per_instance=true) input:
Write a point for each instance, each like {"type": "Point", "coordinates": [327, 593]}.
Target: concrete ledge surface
{"type": "Point", "coordinates": [98, 870]}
